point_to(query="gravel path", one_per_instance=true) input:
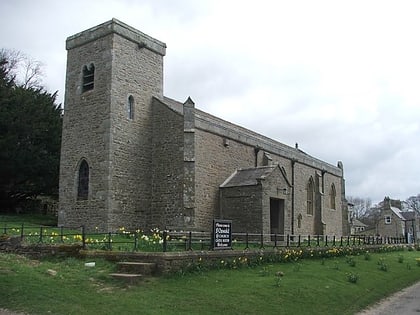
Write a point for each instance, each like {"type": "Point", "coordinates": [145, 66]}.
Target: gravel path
{"type": "Point", "coordinates": [404, 302]}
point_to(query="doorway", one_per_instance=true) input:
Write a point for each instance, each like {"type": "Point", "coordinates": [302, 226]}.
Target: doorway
{"type": "Point", "coordinates": [277, 216]}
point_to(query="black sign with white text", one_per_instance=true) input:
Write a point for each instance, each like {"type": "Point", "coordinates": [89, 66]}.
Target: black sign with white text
{"type": "Point", "coordinates": [222, 234]}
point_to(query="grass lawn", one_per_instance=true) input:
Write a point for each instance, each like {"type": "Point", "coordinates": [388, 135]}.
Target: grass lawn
{"type": "Point", "coordinates": [29, 219]}
{"type": "Point", "coordinates": [310, 286]}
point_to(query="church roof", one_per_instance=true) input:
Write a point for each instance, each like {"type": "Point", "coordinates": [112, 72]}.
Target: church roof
{"type": "Point", "coordinates": [173, 104]}
{"type": "Point", "coordinates": [249, 176]}
{"type": "Point", "coordinates": [219, 126]}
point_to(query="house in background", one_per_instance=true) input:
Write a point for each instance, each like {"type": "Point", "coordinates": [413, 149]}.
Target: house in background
{"type": "Point", "coordinates": [394, 222]}
{"type": "Point", "coordinates": [357, 226]}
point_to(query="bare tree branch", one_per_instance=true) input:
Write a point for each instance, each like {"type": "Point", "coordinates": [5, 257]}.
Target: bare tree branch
{"type": "Point", "coordinates": [24, 70]}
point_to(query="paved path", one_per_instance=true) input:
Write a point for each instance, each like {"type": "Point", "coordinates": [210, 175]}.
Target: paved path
{"type": "Point", "coordinates": [404, 302]}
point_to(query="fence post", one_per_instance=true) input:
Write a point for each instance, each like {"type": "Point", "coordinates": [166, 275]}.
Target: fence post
{"type": "Point", "coordinates": [348, 240]}
{"type": "Point", "coordinates": [299, 241]}
{"type": "Point", "coordinates": [40, 235]}
{"type": "Point", "coordinates": [246, 241]}
{"type": "Point", "coordinates": [164, 244]}
{"type": "Point", "coordinates": [326, 240]}
{"type": "Point", "coordinates": [109, 241]}
{"type": "Point", "coordinates": [136, 241]}
{"type": "Point", "coordinates": [190, 240]}
{"type": "Point", "coordinates": [261, 240]}
{"type": "Point", "coordinates": [309, 241]}
{"type": "Point", "coordinates": [83, 237]}
{"type": "Point", "coordinates": [341, 241]}
{"type": "Point", "coordinates": [61, 234]}
{"type": "Point", "coordinates": [275, 240]}
{"type": "Point", "coordinates": [288, 240]}
{"type": "Point", "coordinates": [334, 240]}
{"type": "Point", "coordinates": [317, 240]}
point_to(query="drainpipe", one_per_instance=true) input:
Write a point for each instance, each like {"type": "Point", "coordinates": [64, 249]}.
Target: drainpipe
{"type": "Point", "coordinates": [293, 197]}
{"type": "Point", "coordinates": [256, 150]}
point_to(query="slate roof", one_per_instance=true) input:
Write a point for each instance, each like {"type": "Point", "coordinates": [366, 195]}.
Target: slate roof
{"type": "Point", "coordinates": [248, 177]}
{"type": "Point", "coordinates": [356, 222]}
{"type": "Point", "coordinates": [408, 215]}
{"type": "Point", "coordinates": [403, 215]}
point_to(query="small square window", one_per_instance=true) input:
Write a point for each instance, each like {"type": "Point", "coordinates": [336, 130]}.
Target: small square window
{"type": "Point", "coordinates": [388, 219]}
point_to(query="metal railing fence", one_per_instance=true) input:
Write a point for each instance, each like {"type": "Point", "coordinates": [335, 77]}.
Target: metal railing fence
{"type": "Point", "coordinates": [163, 241]}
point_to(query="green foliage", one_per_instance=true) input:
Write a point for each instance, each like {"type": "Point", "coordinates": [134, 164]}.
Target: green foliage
{"type": "Point", "coordinates": [382, 265]}
{"type": "Point", "coordinates": [400, 259]}
{"type": "Point", "coordinates": [30, 139]}
{"type": "Point", "coordinates": [352, 277]}
{"type": "Point", "coordinates": [350, 261]}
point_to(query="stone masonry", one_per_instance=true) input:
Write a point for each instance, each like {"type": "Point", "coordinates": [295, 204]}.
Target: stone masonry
{"type": "Point", "coordinates": [157, 162]}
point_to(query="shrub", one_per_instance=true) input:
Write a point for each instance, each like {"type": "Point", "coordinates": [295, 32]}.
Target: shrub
{"type": "Point", "coordinates": [352, 277]}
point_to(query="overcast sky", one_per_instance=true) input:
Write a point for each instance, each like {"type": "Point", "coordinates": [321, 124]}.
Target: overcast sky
{"type": "Point", "coordinates": [340, 78]}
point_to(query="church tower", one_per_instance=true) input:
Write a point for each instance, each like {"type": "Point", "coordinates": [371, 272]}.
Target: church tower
{"type": "Point", "coordinates": [113, 73]}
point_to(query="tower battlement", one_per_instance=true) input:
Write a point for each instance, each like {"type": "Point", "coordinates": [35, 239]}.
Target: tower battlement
{"type": "Point", "coordinates": [120, 28]}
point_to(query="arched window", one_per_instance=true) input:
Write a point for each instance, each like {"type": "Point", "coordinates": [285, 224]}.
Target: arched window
{"type": "Point", "coordinates": [83, 181]}
{"type": "Point", "coordinates": [310, 191]}
{"type": "Point", "coordinates": [88, 77]}
{"type": "Point", "coordinates": [332, 196]}
{"type": "Point", "coordinates": [130, 107]}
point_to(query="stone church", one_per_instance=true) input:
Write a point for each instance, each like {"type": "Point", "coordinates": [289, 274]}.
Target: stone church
{"type": "Point", "coordinates": [133, 158]}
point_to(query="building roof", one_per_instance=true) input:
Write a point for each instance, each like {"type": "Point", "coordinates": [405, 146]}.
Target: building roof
{"type": "Point", "coordinates": [356, 222]}
{"type": "Point", "coordinates": [408, 215]}
{"type": "Point", "coordinates": [216, 125]}
{"type": "Point", "coordinates": [403, 215]}
{"type": "Point", "coordinates": [397, 212]}
{"type": "Point", "coordinates": [249, 176]}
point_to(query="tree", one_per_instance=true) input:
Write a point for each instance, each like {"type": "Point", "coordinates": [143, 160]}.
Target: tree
{"type": "Point", "coordinates": [23, 70]}
{"type": "Point", "coordinates": [360, 206]}
{"type": "Point", "coordinates": [413, 202]}
{"type": "Point", "coordinates": [30, 137]}
{"type": "Point", "coordinates": [372, 217]}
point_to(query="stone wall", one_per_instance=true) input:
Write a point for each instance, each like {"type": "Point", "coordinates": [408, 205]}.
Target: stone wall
{"type": "Point", "coordinates": [394, 228]}
{"type": "Point", "coordinates": [14, 245]}
{"type": "Point", "coordinates": [163, 167]}
{"type": "Point", "coordinates": [136, 72]}
{"type": "Point", "coordinates": [96, 126]}
{"type": "Point", "coordinates": [215, 162]}
{"type": "Point", "coordinates": [243, 205]}
{"type": "Point", "coordinates": [86, 132]}
{"type": "Point", "coordinates": [167, 165]}
{"type": "Point", "coordinates": [222, 147]}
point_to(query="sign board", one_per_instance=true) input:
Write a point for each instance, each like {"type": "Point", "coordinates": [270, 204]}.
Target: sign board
{"type": "Point", "coordinates": [222, 234]}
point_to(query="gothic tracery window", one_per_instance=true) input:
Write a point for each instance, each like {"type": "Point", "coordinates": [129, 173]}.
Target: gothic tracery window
{"type": "Point", "coordinates": [332, 196]}
{"type": "Point", "coordinates": [83, 181]}
{"type": "Point", "coordinates": [310, 190]}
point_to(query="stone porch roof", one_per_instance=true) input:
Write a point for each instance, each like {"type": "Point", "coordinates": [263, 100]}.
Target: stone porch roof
{"type": "Point", "coordinates": [248, 177]}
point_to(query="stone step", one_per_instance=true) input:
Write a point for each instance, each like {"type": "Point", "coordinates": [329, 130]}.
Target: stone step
{"type": "Point", "coordinates": [130, 278]}
{"type": "Point", "coordinates": [143, 268]}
